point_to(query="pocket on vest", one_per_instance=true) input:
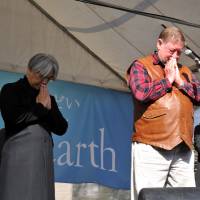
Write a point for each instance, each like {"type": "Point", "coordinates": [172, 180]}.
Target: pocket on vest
{"type": "Point", "coordinates": [154, 113]}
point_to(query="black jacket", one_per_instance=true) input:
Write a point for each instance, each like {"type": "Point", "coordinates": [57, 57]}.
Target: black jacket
{"type": "Point", "coordinates": [19, 109]}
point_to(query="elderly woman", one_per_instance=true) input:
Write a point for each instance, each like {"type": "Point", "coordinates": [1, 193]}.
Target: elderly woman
{"type": "Point", "coordinates": [30, 115]}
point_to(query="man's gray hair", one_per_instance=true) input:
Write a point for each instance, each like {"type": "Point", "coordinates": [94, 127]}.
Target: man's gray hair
{"type": "Point", "coordinates": [172, 34]}
{"type": "Point", "coordinates": [44, 64]}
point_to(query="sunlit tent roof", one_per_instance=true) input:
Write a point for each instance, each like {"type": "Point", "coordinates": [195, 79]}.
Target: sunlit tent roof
{"type": "Point", "coordinates": [94, 45]}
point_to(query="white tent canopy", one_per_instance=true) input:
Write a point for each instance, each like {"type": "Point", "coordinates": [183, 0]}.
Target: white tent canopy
{"type": "Point", "coordinates": [94, 45]}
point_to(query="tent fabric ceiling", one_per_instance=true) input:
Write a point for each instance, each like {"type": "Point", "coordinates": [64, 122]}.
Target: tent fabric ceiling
{"type": "Point", "coordinates": [97, 41]}
{"type": "Point", "coordinates": [25, 30]}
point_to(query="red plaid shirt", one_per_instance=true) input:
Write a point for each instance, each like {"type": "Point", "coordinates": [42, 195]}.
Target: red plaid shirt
{"type": "Point", "coordinates": [145, 90]}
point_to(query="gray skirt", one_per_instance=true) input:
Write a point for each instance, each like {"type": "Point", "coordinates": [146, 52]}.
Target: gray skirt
{"type": "Point", "coordinates": [26, 169]}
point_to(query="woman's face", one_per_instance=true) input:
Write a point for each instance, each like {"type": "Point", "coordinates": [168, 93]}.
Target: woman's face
{"type": "Point", "coordinates": [35, 79]}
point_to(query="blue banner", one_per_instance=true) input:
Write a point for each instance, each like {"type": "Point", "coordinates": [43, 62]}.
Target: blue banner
{"type": "Point", "coordinates": [97, 146]}
{"type": "Point", "coordinates": [197, 116]}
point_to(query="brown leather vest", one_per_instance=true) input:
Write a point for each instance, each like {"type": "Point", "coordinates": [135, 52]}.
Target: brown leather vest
{"type": "Point", "coordinates": [168, 121]}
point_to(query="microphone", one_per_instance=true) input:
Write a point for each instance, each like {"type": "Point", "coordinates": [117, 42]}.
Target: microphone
{"type": "Point", "coordinates": [192, 55]}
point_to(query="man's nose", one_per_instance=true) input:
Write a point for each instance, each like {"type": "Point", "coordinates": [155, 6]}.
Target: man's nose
{"type": "Point", "coordinates": [175, 55]}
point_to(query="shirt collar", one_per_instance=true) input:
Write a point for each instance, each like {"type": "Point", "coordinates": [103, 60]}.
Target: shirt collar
{"type": "Point", "coordinates": [156, 60]}
{"type": "Point", "coordinates": [27, 85]}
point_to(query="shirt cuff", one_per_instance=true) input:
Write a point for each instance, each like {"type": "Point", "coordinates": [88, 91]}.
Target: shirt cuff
{"type": "Point", "coordinates": [40, 110]}
{"type": "Point", "coordinates": [167, 85]}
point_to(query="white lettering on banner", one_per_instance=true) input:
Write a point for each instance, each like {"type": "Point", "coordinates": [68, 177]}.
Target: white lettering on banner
{"type": "Point", "coordinates": [81, 148]}
{"type": "Point", "coordinates": [67, 102]}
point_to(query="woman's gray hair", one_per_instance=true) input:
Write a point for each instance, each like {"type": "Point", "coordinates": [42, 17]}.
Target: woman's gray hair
{"type": "Point", "coordinates": [44, 64]}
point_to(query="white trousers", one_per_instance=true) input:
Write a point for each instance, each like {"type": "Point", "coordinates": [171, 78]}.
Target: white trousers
{"type": "Point", "coordinates": [155, 167]}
